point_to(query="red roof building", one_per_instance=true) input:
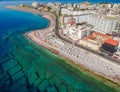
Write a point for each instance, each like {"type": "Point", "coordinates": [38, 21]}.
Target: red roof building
{"type": "Point", "coordinates": [112, 42]}
{"type": "Point", "coordinates": [91, 37]}
{"type": "Point", "coordinates": [101, 36]}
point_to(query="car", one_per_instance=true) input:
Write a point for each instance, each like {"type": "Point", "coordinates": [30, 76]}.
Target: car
{"type": "Point", "coordinates": [116, 56]}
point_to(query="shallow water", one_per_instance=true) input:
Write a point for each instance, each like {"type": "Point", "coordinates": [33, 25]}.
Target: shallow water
{"type": "Point", "coordinates": [27, 67]}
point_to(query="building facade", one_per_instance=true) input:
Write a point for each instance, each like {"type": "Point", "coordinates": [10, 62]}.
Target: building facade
{"type": "Point", "coordinates": [35, 5]}
{"type": "Point", "coordinates": [65, 11]}
{"type": "Point", "coordinates": [92, 44]}
{"type": "Point", "coordinates": [102, 25]}
{"type": "Point", "coordinates": [101, 37]}
{"type": "Point", "coordinates": [78, 19]}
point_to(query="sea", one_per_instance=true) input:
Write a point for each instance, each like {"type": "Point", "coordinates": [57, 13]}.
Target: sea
{"type": "Point", "coordinates": [27, 67]}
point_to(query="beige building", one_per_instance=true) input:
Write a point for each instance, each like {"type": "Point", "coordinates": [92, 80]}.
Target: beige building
{"type": "Point", "coordinates": [90, 42]}
{"type": "Point", "coordinates": [94, 41]}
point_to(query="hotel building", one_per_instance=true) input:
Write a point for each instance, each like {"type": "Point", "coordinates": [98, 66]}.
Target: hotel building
{"type": "Point", "coordinates": [65, 11]}
{"type": "Point", "coordinates": [104, 24]}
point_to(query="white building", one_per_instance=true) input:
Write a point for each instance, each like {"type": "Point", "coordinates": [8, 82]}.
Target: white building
{"type": "Point", "coordinates": [21, 5]}
{"type": "Point", "coordinates": [76, 32]}
{"type": "Point", "coordinates": [100, 24]}
{"type": "Point", "coordinates": [82, 32]}
{"type": "Point", "coordinates": [103, 25]}
{"type": "Point", "coordinates": [35, 4]}
{"type": "Point", "coordinates": [54, 7]}
{"type": "Point", "coordinates": [65, 11]}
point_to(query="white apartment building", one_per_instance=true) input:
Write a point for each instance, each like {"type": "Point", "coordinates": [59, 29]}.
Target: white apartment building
{"type": "Point", "coordinates": [65, 11]}
{"type": "Point", "coordinates": [54, 7]}
{"type": "Point", "coordinates": [35, 4]}
{"type": "Point", "coordinates": [100, 24]}
{"type": "Point", "coordinates": [76, 32]}
{"type": "Point", "coordinates": [81, 33]}
{"type": "Point", "coordinates": [103, 25]}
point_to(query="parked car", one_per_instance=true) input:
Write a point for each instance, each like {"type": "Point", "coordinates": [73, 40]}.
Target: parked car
{"type": "Point", "coordinates": [116, 56]}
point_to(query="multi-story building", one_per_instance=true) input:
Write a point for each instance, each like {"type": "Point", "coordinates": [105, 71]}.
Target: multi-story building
{"type": "Point", "coordinates": [65, 11]}
{"type": "Point", "coordinates": [103, 25]}
{"type": "Point", "coordinates": [35, 4]}
{"type": "Point", "coordinates": [94, 41]}
{"type": "Point", "coordinates": [110, 46]}
{"type": "Point", "coordinates": [78, 19]}
{"type": "Point", "coordinates": [55, 7]}
{"type": "Point", "coordinates": [77, 32]}
{"type": "Point", "coordinates": [100, 24]}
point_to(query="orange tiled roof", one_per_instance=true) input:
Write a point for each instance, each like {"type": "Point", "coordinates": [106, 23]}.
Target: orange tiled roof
{"type": "Point", "coordinates": [90, 37]}
{"type": "Point", "coordinates": [98, 33]}
{"type": "Point", "coordinates": [112, 42]}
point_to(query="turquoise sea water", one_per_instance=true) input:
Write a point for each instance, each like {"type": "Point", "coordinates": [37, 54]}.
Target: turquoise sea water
{"type": "Point", "coordinates": [27, 67]}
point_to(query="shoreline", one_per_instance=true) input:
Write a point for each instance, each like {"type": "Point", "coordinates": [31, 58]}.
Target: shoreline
{"type": "Point", "coordinates": [79, 68]}
{"type": "Point", "coordinates": [32, 36]}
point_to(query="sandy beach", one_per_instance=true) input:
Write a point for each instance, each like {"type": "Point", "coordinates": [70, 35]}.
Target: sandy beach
{"type": "Point", "coordinates": [33, 35]}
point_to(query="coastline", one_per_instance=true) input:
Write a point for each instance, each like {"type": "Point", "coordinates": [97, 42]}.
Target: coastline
{"type": "Point", "coordinates": [34, 38]}
{"type": "Point", "coordinates": [79, 68]}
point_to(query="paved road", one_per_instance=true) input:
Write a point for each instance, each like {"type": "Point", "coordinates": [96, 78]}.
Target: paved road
{"type": "Point", "coordinates": [95, 52]}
